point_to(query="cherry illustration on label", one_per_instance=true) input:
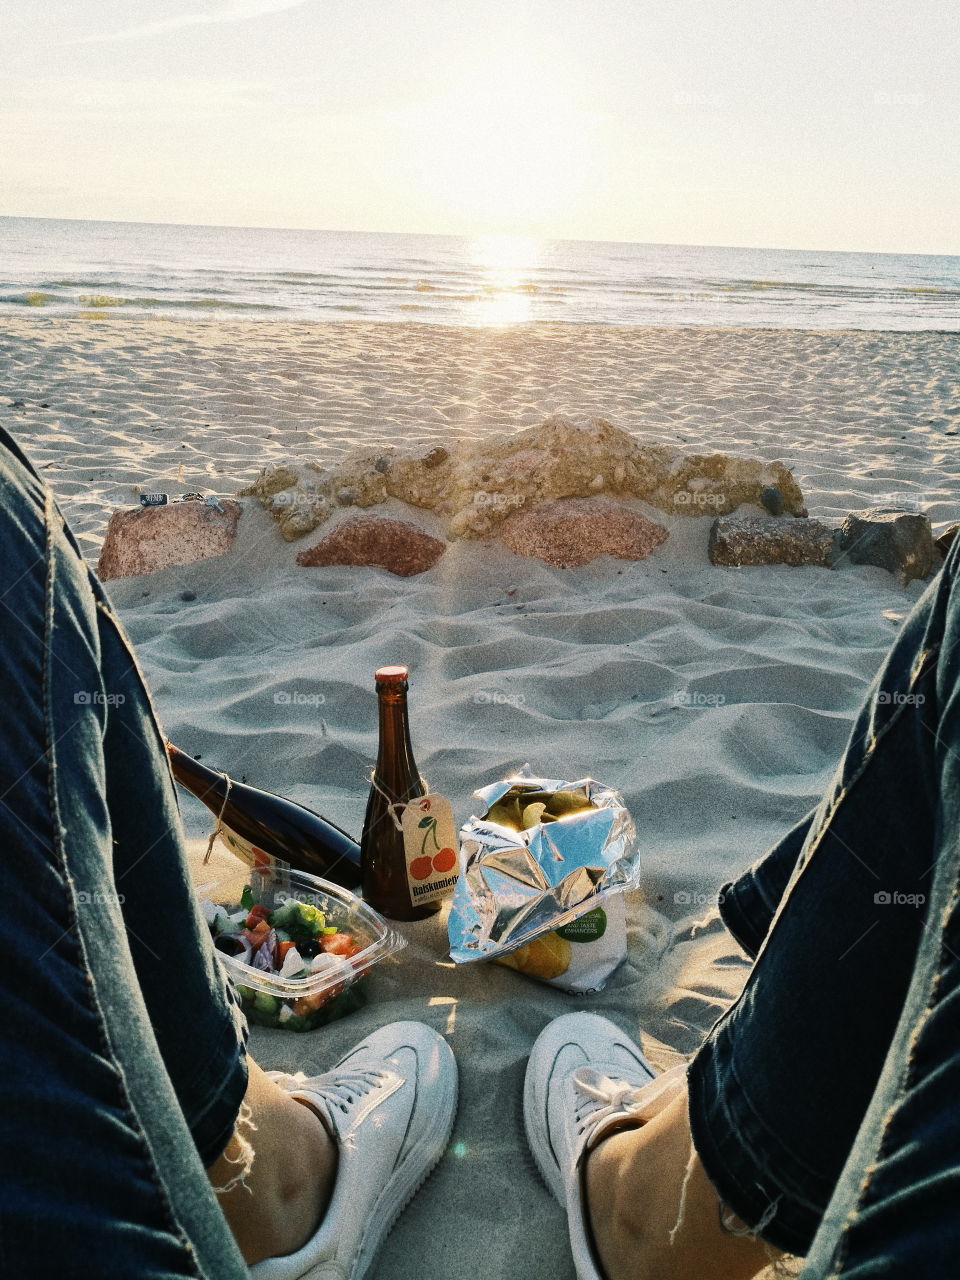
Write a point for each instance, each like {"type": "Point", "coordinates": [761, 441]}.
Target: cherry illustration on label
{"type": "Point", "coordinates": [444, 860]}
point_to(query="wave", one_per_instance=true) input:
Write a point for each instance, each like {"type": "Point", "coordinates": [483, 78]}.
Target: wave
{"type": "Point", "coordinates": [104, 302]}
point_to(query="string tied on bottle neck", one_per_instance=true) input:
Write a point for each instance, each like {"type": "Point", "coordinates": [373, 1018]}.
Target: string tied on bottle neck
{"type": "Point", "coordinates": [395, 808]}
{"type": "Point", "coordinates": [218, 825]}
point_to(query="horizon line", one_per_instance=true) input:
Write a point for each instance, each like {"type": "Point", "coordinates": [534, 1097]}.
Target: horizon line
{"type": "Point", "coordinates": [476, 235]}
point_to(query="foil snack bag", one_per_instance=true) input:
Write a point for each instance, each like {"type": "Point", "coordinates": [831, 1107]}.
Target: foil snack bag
{"type": "Point", "coordinates": [541, 880]}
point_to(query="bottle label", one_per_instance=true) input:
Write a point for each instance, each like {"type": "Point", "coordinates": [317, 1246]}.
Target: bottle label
{"type": "Point", "coordinates": [249, 853]}
{"type": "Point", "coordinates": [430, 847]}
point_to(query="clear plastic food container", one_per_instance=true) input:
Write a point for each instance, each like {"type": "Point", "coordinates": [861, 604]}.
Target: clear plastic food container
{"type": "Point", "coordinates": [333, 987]}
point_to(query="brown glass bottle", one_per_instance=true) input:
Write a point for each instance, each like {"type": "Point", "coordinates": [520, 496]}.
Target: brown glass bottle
{"type": "Point", "coordinates": [255, 823]}
{"type": "Point", "coordinates": [396, 780]}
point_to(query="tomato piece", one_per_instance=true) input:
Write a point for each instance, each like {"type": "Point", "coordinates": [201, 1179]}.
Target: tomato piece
{"type": "Point", "coordinates": [282, 949]}
{"type": "Point", "coordinates": [258, 933]}
{"type": "Point", "coordinates": [304, 1005]}
{"type": "Point", "coordinates": [257, 913]}
{"type": "Point", "coordinates": [339, 944]}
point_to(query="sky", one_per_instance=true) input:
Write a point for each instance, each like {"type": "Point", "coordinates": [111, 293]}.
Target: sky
{"type": "Point", "coordinates": [814, 124]}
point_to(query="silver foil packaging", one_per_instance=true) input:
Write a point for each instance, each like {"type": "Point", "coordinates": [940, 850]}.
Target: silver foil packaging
{"type": "Point", "coordinates": [545, 900]}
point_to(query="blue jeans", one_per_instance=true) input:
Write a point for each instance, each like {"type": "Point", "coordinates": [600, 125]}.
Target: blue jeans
{"type": "Point", "coordinates": [824, 1103]}
{"type": "Point", "coordinates": [122, 1063]}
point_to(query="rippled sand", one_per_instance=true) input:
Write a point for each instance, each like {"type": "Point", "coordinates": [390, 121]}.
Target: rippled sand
{"type": "Point", "coordinates": [161, 403]}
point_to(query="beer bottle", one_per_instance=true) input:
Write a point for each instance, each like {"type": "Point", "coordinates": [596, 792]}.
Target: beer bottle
{"type": "Point", "coordinates": [259, 826]}
{"type": "Point", "coordinates": [396, 781]}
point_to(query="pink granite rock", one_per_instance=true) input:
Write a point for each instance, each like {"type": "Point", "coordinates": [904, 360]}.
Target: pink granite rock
{"type": "Point", "coordinates": [146, 539]}
{"type": "Point", "coordinates": [395, 545]}
{"type": "Point", "coordinates": [569, 532]}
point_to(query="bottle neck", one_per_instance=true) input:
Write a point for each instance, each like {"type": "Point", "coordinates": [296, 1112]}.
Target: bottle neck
{"type": "Point", "coordinates": [196, 777]}
{"type": "Point", "coordinates": [396, 767]}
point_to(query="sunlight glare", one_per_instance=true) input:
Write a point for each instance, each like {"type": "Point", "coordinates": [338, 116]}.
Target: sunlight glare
{"type": "Point", "coordinates": [508, 264]}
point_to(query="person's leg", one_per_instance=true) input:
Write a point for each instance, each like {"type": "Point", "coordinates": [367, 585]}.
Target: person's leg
{"type": "Point", "coordinates": [612, 1145]}
{"type": "Point", "coordinates": [102, 1172]}
{"type": "Point", "coordinates": [123, 1053]}
{"type": "Point", "coordinates": [779, 1090]}
{"type": "Point", "coordinates": [894, 1209]}
{"type": "Point", "coordinates": [748, 904]}
{"type": "Point", "coordinates": [278, 1163]}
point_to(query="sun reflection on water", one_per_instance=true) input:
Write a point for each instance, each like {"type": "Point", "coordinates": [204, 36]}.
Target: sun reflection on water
{"type": "Point", "coordinates": [507, 267]}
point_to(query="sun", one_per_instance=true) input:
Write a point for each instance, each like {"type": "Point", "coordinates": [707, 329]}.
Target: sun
{"type": "Point", "coordinates": [507, 278]}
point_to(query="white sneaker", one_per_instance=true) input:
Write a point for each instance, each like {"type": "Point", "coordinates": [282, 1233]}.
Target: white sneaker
{"type": "Point", "coordinates": [584, 1078]}
{"type": "Point", "coordinates": [390, 1103]}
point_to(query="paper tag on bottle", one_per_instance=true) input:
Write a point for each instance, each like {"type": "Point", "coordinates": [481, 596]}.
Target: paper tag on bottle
{"type": "Point", "coordinates": [249, 853]}
{"type": "Point", "coordinates": [430, 846]}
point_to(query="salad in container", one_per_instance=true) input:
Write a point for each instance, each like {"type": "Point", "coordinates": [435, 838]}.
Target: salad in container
{"type": "Point", "coordinates": [295, 947]}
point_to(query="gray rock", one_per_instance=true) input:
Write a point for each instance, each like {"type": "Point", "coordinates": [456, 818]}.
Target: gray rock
{"type": "Point", "coordinates": [772, 499]}
{"type": "Point", "coordinates": [899, 541]}
{"type": "Point", "coordinates": [753, 540]}
{"type": "Point", "coordinates": [945, 540]}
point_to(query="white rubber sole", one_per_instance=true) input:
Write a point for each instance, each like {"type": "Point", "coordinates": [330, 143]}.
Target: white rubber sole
{"type": "Point", "coordinates": [421, 1161]}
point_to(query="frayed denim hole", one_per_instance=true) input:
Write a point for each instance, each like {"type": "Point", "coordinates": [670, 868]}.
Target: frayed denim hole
{"type": "Point", "coordinates": [245, 1153]}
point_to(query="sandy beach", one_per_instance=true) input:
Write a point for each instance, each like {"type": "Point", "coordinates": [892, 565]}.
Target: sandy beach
{"type": "Point", "coordinates": [716, 700]}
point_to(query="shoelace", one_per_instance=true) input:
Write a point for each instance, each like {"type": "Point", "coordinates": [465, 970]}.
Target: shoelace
{"type": "Point", "coordinates": [601, 1098]}
{"type": "Point", "coordinates": [348, 1087]}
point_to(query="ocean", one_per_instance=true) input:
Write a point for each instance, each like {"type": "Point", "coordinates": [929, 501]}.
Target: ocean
{"type": "Point", "coordinates": [65, 267]}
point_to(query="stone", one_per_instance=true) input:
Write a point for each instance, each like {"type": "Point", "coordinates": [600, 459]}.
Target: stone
{"type": "Point", "coordinates": [145, 539]}
{"type": "Point", "coordinates": [298, 497]}
{"type": "Point", "coordinates": [298, 511]}
{"type": "Point", "coordinates": [701, 484]}
{"type": "Point", "coordinates": [395, 545]}
{"type": "Point", "coordinates": [271, 480]}
{"type": "Point", "coordinates": [772, 499]}
{"type": "Point", "coordinates": [570, 532]}
{"type": "Point", "coordinates": [362, 472]}
{"type": "Point", "coordinates": [896, 540]}
{"type": "Point", "coordinates": [944, 541]}
{"type": "Point", "coordinates": [478, 484]}
{"type": "Point", "coordinates": [754, 540]}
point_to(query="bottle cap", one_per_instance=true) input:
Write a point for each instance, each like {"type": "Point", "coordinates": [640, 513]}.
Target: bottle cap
{"type": "Point", "coordinates": [391, 675]}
